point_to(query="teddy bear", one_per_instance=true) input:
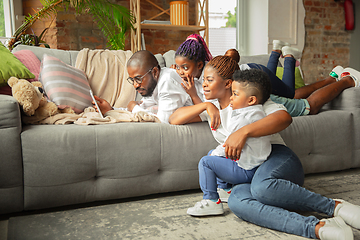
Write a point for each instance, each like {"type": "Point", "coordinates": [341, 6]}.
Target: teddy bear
{"type": "Point", "coordinates": [33, 103]}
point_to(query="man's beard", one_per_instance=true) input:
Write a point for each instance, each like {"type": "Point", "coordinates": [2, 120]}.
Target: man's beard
{"type": "Point", "coordinates": [149, 91]}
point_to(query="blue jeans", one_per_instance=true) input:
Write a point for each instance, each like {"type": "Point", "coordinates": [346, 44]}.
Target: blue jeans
{"type": "Point", "coordinates": [289, 69]}
{"type": "Point", "coordinates": [215, 171]}
{"type": "Point", "coordinates": [275, 191]}
{"type": "Point", "coordinates": [286, 86]}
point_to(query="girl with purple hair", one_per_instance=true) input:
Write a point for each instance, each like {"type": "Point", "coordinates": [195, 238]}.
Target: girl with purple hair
{"type": "Point", "coordinates": [191, 58]}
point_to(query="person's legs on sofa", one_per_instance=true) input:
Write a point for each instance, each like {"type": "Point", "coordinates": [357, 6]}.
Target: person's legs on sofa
{"type": "Point", "coordinates": [325, 94]}
{"type": "Point", "coordinates": [274, 60]}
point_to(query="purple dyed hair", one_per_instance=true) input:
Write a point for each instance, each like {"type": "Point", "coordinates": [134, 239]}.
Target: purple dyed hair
{"type": "Point", "coordinates": [194, 48]}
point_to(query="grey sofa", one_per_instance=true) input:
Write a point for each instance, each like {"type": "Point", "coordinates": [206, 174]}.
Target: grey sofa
{"type": "Point", "coordinates": [44, 166]}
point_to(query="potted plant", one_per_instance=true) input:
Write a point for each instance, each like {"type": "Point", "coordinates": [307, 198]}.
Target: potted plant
{"type": "Point", "coordinates": [32, 39]}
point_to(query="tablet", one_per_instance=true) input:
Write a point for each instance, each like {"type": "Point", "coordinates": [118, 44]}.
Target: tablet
{"type": "Point", "coordinates": [97, 106]}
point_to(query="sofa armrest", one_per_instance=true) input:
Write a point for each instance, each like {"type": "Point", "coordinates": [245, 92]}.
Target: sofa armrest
{"type": "Point", "coordinates": [11, 177]}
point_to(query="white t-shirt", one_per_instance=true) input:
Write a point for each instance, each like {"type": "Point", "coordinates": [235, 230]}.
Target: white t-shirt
{"type": "Point", "coordinates": [255, 150]}
{"type": "Point", "coordinates": [269, 107]}
{"type": "Point", "coordinates": [168, 96]}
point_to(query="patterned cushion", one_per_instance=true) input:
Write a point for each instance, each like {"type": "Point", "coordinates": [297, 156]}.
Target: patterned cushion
{"type": "Point", "coordinates": [65, 85]}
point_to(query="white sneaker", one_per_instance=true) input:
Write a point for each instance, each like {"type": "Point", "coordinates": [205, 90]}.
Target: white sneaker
{"type": "Point", "coordinates": [353, 74]}
{"type": "Point", "coordinates": [278, 44]}
{"type": "Point", "coordinates": [223, 195]}
{"type": "Point", "coordinates": [335, 229]}
{"type": "Point", "coordinates": [206, 207]}
{"type": "Point", "coordinates": [336, 72]}
{"type": "Point", "coordinates": [292, 51]}
{"type": "Point", "coordinates": [350, 213]}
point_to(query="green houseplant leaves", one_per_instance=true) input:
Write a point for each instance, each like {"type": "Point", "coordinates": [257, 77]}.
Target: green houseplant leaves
{"type": "Point", "coordinates": [112, 19]}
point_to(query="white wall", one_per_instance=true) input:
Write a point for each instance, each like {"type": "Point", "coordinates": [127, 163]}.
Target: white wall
{"type": "Point", "coordinates": [262, 21]}
{"type": "Point", "coordinates": [257, 34]}
{"type": "Point", "coordinates": [253, 27]}
{"type": "Point", "coordinates": [286, 22]}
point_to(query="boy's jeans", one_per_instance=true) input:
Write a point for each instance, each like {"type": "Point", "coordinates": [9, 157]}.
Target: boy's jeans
{"type": "Point", "coordinates": [216, 171]}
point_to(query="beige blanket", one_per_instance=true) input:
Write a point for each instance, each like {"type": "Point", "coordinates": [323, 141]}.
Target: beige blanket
{"type": "Point", "coordinates": [107, 74]}
{"type": "Point", "coordinates": [91, 117]}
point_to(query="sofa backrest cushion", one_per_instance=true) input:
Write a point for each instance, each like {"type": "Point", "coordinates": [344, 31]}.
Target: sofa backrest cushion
{"type": "Point", "coordinates": [68, 57]}
{"type": "Point", "coordinates": [167, 59]}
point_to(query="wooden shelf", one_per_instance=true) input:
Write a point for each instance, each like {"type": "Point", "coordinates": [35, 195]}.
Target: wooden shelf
{"type": "Point", "coordinates": [172, 27]}
{"type": "Point", "coordinates": [202, 15]}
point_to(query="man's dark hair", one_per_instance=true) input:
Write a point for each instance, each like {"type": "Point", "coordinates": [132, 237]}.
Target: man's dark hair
{"type": "Point", "coordinates": [257, 80]}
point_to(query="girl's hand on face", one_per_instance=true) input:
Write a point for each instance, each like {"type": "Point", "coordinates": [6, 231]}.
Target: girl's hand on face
{"type": "Point", "coordinates": [234, 144]}
{"type": "Point", "coordinates": [214, 114]}
{"type": "Point", "coordinates": [189, 85]}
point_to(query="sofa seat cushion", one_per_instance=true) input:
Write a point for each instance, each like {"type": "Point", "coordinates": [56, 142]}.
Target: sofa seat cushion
{"type": "Point", "coordinates": [69, 164]}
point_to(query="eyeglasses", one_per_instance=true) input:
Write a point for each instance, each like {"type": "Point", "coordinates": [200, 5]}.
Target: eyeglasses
{"type": "Point", "coordinates": [138, 80]}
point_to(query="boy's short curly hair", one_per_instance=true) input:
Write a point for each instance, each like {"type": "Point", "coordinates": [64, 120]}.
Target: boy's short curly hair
{"type": "Point", "coordinates": [256, 81]}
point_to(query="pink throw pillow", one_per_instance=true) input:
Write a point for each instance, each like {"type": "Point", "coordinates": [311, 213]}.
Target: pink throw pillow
{"type": "Point", "coordinates": [31, 62]}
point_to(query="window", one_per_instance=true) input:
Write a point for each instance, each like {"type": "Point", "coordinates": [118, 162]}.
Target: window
{"type": "Point", "coordinates": [10, 18]}
{"type": "Point", "coordinates": [2, 19]}
{"type": "Point", "coordinates": [222, 26]}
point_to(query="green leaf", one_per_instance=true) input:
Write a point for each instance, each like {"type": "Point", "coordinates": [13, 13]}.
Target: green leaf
{"type": "Point", "coordinates": [112, 19]}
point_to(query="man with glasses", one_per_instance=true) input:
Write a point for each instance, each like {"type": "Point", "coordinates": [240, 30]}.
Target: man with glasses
{"type": "Point", "coordinates": [160, 87]}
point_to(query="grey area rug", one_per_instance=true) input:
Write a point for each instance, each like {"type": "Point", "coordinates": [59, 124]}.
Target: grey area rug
{"type": "Point", "coordinates": [164, 217]}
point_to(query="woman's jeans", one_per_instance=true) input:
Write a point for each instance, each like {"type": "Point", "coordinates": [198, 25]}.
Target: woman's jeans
{"type": "Point", "coordinates": [216, 171]}
{"type": "Point", "coordinates": [275, 187]}
{"type": "Point", "coordinates": [286, 86]}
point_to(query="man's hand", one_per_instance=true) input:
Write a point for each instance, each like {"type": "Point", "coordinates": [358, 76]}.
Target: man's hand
{"type": "Point", "coordinates": [103, 105]}
{"type": "Point", "coordinates": [132, 104]}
